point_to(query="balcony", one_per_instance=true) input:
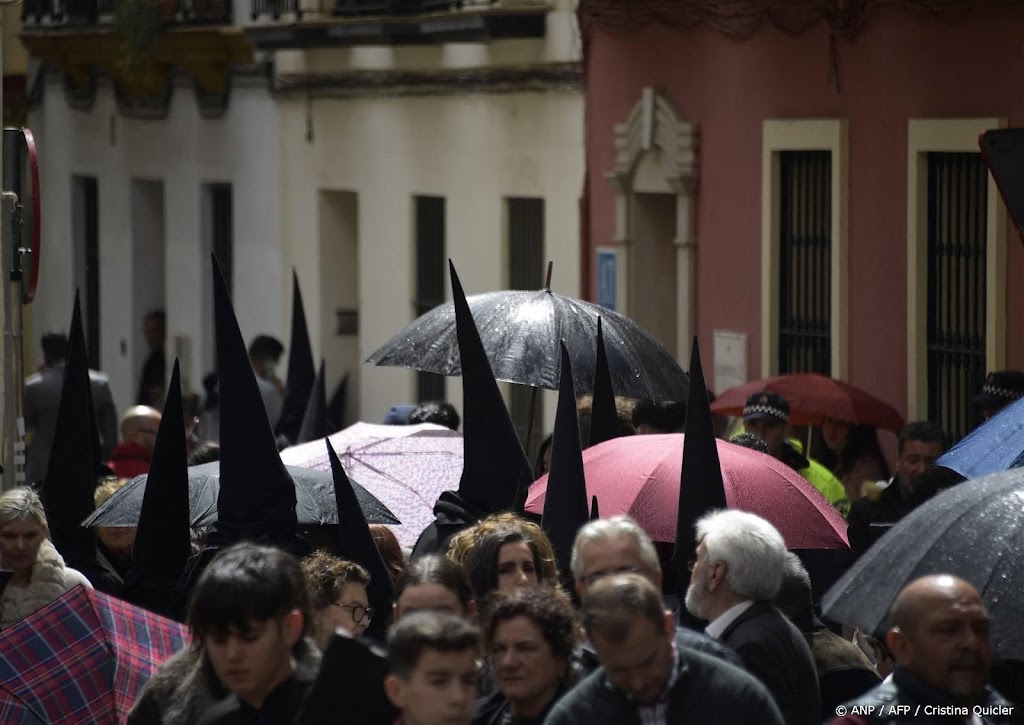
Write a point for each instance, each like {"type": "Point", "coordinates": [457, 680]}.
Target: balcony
{"type": "Point", "coordinates": [282, 24]}
{"type": "Point", "coordinates": [42, 14]}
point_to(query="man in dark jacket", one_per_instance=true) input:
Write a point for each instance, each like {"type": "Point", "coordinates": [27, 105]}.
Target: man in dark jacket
{"type": "Point", "coordinates": [737, 572]}
{"type": "Point", "coordinates": [646, 677]}
{"type": "Point", "coordinates": [939, 639]}
{"type": "Point", "coordinates": [920, 443]}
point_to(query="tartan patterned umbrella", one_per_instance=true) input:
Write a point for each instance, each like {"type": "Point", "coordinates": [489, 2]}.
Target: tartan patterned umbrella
{"type": "Point", "coordinates": [82, 658]}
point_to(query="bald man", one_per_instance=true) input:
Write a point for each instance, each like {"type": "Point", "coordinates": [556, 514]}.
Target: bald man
{"type": "Point", "coordinates": [139, 425]}
{"type": "Point", "coordinates": [939, 639]}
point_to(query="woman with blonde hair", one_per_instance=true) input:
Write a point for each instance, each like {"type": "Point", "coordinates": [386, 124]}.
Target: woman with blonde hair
{"type": "Point", "coordinates": [39, 573]}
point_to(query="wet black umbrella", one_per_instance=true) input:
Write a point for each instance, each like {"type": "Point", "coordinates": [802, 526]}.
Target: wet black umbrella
{"type": "Point", "coordinates": [314, 490]}
{"type": "Point", "coordinates": [521, 330]}
{"type": "Point", "coordinates": [974, 531]}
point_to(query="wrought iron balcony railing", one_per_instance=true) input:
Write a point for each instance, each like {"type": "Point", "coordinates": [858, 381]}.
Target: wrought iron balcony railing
{"type": "Point", "coordinates": [87, 12]}
{"type": "Point", "coordinates": [355, 8]}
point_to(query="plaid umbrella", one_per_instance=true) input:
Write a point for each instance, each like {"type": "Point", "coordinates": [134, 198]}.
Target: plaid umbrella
{"type": "Point", "coordinates": [82, 658]}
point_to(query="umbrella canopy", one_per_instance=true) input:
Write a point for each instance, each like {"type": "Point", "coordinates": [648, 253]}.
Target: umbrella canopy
{"type": "Point", "coordinates": [83, 658]}
{"type": "Point", "coordinates": [974, 531]}
{"type": "Point", "coordinates": [521, 331]}
{"type": "Point", "coordinates": [314, 490]}
{"type": "Point", "coordinates": [406, 467]}
{"type": "Point", "coordinates": [812, 398]}
{"type": "Point", "coordinates": [995, 445]}
{"type": "Point", "coordinates": [640, 476]}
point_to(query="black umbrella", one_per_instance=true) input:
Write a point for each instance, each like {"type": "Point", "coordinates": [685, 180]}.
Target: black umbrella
{"type": "Point", "coordinates": [974, 531]}
{"type": "Point", "coordinates": [521, 331]}
{"type": "Point", "coordinates": [314, 490]}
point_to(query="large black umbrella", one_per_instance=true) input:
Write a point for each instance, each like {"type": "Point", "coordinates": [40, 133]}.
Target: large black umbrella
{"type": "Point", "coordinates": [314, 490]}
{"type": "Point", "coordinates": [974, 531]}
{"type": "Point", "coordinates": [521, 330]}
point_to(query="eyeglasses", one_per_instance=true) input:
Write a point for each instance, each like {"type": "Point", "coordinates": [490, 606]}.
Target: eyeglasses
{"type": "Point", "coordinates": [357, 611]}
{"type": "Point", "coordinates": [592, 578]}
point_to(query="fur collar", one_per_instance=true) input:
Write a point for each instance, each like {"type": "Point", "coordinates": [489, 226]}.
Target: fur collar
{"type": "Point", "coordinates": [46, 582]}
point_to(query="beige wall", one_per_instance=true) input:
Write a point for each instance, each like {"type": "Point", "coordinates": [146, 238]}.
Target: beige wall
{"type": "Point", "coordinates": [15, 57]}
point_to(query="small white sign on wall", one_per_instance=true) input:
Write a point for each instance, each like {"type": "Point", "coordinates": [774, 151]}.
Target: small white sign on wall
{"type": "Point", "coordinates": [730, 359]}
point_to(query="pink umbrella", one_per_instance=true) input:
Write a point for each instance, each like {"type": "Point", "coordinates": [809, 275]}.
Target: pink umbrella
{"type": "Point", "coordinates": [639, 476]}
{"type": "Point", "coordinates": [405, 466]}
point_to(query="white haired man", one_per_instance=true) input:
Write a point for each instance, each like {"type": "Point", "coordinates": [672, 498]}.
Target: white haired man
{"type": "Point", "coordinates": [619, 546]}
{"type": "Point", "coordinates": [738, 570]}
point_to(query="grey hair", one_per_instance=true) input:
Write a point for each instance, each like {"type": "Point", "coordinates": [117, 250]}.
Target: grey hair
{"type": "Point", "coordinates": [752, 550]}
{"type": "Point", "coordinates": [604, 529]}
{"type": "Point", "coordinates": [19, 504]}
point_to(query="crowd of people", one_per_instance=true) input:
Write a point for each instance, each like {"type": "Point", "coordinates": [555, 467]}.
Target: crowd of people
{"type": "Point", "coordinates": [489, 619]}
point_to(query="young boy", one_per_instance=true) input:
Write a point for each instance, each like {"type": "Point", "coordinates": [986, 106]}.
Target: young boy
{"type": "Point", "coordinates": [433, 658]}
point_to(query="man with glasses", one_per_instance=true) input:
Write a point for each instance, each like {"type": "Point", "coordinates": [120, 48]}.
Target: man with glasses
{"type": "Point", "coordinates": [646, 678]}
{"type": "Point", "coordinates": [132, 455]}
{"type": "Point", "coordinates": [618, 545]}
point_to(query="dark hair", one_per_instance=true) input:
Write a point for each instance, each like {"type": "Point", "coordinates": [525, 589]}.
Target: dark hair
{"type": "Point", "coordinates": [327, 575]}
{"type": "Point", "coordinates": [665, 417]}
{"type": "Point", "coordinates": [482, 562]}
{"type": "Point", "coordinates": [924, 431]}
{"type": "Point", "coordinates": [749, 440]}
{"type": "Point", "coordinates": [436, 569]}
{"type": "Point", "coordinates": [538, 465]}
{"type": "Point", "coordinates": [436, 411]}
{"type": "Point", "coordinates": [547, 608]}
{"type": "Point", "coordinates": [615, 603]}
{"type": "Point", "coordinates": [156, 316]}
{"type": "Point", "coordinates": [795, 598]}
{"type": "Point", "coordinates": [421, 631]}
{"type": "Point", "coordinates": [205, 452]}
{"type": "Point", "coordinates": [390, 550]}
{"type": "Point", "coordinates": [623, 415]}
{"type": "Point", "coordinates": [861, 442]}
{"type": "Point", "coordinates": [265, 347]}
{"type": "Point", "coordinates": [55, 347]}
{"type": "Point", "coordinates": [244, 584]}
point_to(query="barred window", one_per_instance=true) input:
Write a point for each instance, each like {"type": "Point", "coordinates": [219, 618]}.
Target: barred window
{"type": "Point", "coordinates": [805, 262]}
{"type": "Point", "coordinates": [430, 265]}
{"type": "Point", "coordinates": [957, 232]}
{"type": "Point", "coordinates": [526, 272]}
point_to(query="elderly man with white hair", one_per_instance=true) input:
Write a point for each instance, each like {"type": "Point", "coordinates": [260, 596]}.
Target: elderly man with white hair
{"type": "Point", "coordinates": [737, 572]}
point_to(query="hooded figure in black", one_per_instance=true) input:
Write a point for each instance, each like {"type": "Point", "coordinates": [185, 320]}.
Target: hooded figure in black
{"type": "Point", "coordinates": [565, 503]}
{"type": "Point", "coordinates": [496, 471]}
{"type": "Point", "coordinates": [256, 501]}
{"type": "Point", "coordinates": [299, 385]}
{"type": "Point", "coordinates": [604, 416]}
{"type": "Point", "coordinates": [315, 422]}
{"type": "Point", "coordinates": [163, 543]}
{"type": "Point", "coordinates": [68, 489]}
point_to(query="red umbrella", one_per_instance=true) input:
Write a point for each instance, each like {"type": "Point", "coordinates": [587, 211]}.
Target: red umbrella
{"type": "Point", "coordinates": [812, 398]}
{"type": "Point", "coordinates": [82, 659]}
{"type": "Point", "coordinates": [639, 476]}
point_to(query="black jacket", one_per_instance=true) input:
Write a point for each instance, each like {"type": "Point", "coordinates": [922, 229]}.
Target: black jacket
{"type": "Point", "coordinates": [452, 514]}
{"type": "Point", "coordinates": [774, 651]}
{"type": "Point", "coordinates": [888, 508]}
{"type": "Point", "coordinates": [904, 698]}
{"type": "Point", "coordinates": [281, 707]}
{"type": "Point", "coordinates": [707, 690]}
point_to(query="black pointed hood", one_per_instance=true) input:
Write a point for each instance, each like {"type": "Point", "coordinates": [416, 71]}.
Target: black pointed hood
{"type": "Point", "coordinates": [356, 544]}
{"type": "Point", "coordinates": [595, 512]}
{"type": "Point", "coordinates": [700, 487]}
{"type": "Point", "coordinates": [495, 465]}
{"type": "Point", "coordinates": [67, 489]}
{"type": "Point", "coordinates": [604, 417]}
{"type": "Point", "coordinates": [163, 543]}
{"type": "Point", "coordinates": [565, 503]}
{"type": "Point", "coordinates": [257, 496]}
{"type": "Point", "coordinates": [315, 423]}
{"type": "Point", "coordinates": [301, 370]}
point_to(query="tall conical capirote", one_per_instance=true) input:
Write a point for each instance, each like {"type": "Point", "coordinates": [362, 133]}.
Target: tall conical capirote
{"type": "Point", "coordinates": [566, 507]}
{"type": "Point", "coordinates": [595, 512]}
{"type": "Point", "coordinates": [257, 496]}
{"type": "Point", "coordinates": [68, 488]}
{"type": "Point", "coordinates": [356, 544]}
{"type": "Point", "coordinates": [495, 465]}
{"type": "Point", "coordinates": [604, 417]}
{"type": "Point", "coordinates": [301, 370]}
{"type": "Point", "coordinates": [315, 424]}
{"type": "Point", "coordinates": [163, 543]}
{"type": "Point", "coordinates": [701, 489]}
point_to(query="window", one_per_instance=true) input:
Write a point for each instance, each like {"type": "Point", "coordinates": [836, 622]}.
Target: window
{"type": "Point", "coordinates": [957, 240]}
{"type": "Point", "coordinates": [805, 262]}
{"type": "Point", "coordinates": [85, 213]}
{"type": "Point", "coordinates": [430, 266]}
{"type": "Point", "coordinates": [526, 272]}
